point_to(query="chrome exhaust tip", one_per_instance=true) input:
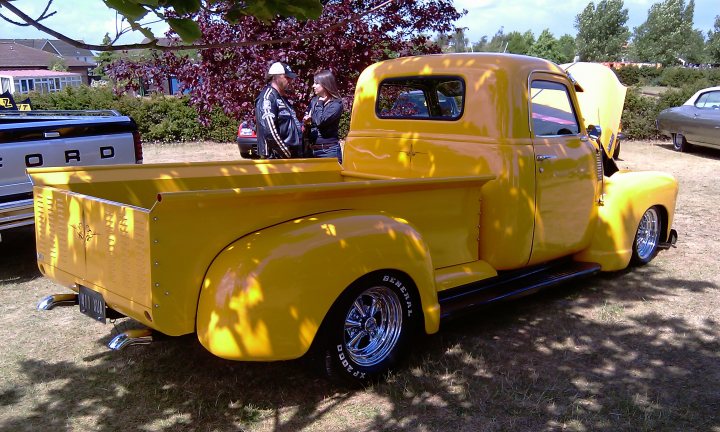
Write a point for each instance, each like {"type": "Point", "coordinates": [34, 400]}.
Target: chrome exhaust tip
{"type": "Point", "coordinates": [51, 301]}
{"type": "Point", "coordinates": [672, 239]}
{"type": "Point", "coordinates": [129, 338]}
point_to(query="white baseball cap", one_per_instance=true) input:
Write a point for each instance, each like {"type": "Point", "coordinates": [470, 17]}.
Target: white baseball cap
{"type": "Point", "coordinates": [279, 68]}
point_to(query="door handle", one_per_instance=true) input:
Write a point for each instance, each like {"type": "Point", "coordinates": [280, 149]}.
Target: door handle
{"type": "Point", "coordinates": [52, 134]}
{"type": "Point", "coordinates": [542, 157]}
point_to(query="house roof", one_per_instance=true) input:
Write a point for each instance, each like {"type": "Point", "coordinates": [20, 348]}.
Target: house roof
{"type": "Point", "coordinates": [36, 73]}
{"type": "Point", "coordinates": [62, 48]}
{"type": "Point", "coordinates": [15, 55]}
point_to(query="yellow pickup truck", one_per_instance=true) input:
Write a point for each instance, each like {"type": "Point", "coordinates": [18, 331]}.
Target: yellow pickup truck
{"type": "Point", "coordinates": [467, 179]}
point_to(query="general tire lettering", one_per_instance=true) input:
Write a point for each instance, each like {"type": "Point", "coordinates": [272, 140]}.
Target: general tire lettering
{"type": "Point", "coordinates": [341, 361]}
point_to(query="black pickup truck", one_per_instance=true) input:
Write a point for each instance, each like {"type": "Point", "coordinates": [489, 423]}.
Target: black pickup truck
{"type": "Point", "coordinates": [31, 139]}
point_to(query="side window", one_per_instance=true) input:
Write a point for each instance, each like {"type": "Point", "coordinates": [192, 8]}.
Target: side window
{"type": "Point", "coordinates": [709, 100]}
{"type": "Point", "coordinates": [552, 109]}
{"type": "Point", "coordinates": [433, 98]}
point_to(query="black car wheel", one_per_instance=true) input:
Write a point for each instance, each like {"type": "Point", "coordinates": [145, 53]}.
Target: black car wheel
{"type": "Point", "coordinates": [370, 327]}
{"type": "Point", "coordinates": [680, 143]}
{"type": "Point", "coordinates": [647, 237]}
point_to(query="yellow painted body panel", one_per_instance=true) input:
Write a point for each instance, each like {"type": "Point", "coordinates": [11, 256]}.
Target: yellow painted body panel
{"type": "Point", "coordinates": [627, 196]}
{"type": "Point", "coordinates": [143, 221]}
{"type": "Point", "coordinates": [250, 308]}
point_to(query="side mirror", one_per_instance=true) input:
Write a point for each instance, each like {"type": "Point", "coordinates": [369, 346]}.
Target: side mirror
{"type": "Point", "coordinates": [594, 131]}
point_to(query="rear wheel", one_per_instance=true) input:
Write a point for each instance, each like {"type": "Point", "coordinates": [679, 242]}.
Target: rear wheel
{"type": "Point", "coordinates": [370, 327]}
{"type": "Point", "coordinates": [647, 237]}
{"type": "Point", "coordinates": [680, 143]}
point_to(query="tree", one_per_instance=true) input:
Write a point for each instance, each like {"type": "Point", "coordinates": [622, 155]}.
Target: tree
{"type": "Point", "coordinates": [105, 58]}
{"type": "Point", "coordinates": [602, 31]}
{"type": "Point", "coordinates": [458, 42]}
{"type": "Point", "coordinates": [499, 42]}
{"type": "Point", "coordinates": [566, 49]}
{"type": "Point", "coordinates": [58, 64]}
{"type": "Point", "coordinates": [546, 47]}
{"type": "Point", "coordinates": [667, 36]}
{"type": "Point", "coordinates": [180, 16]}
{"type": "Point", "coordinates": [695, 49]}
{"type": "Point", "coordinates": [481, 45]}
{"type": "Point", "coordinates": [231, 77]}
{"type": "Point", "coordinates": [520, 43]}
{"type": "Point", "coordinates": [713, 42]}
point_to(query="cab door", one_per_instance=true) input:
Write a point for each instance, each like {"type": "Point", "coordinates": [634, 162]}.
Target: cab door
{"type": "Point", "coordinates": [567, 183]}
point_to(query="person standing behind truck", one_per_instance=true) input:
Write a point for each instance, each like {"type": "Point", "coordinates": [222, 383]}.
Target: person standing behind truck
{"type": "Point", "coordinates": [323, 117]}
{"type": "Point", "coordinates": [278, 129]}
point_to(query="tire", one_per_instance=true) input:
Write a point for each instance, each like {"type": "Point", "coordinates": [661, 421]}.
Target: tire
{"type": "Point", "coordinates": [647, 237]}
{"type": "Point", "coordinates": [680, 143]}
{"type": "Point", "coordinates": [370, 328]}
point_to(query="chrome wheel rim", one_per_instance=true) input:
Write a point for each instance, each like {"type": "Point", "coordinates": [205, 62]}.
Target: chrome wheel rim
{"type": "Point", "coordinates": [648, 234]}
{"type": "Point", "coordinates": [373, 326]}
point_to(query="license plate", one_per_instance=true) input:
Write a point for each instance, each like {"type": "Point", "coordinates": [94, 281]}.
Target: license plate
{"type": "Point", "coordinates": [92, 304]}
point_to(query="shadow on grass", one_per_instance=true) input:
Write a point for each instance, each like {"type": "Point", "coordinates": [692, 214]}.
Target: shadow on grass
{"type": "Point", "coordinates": [705, 152]}
{"type": "Point", "coordinates": [17, 256]}
{"type": "Point", "coordinates": [540, 363]}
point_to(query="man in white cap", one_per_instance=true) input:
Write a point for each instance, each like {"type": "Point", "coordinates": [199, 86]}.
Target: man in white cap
{"type": "Point", "coordinates": [279, 132]}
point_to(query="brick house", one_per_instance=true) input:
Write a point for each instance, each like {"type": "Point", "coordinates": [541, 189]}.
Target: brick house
{"type": "Point", "coordinates": [20, 60]}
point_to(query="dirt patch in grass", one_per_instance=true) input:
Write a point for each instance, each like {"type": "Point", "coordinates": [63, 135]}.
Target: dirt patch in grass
{"type": "Point", "coordinates": [628, 351]}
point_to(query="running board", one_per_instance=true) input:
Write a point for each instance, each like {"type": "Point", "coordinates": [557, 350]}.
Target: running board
{"type": "Point", "coordinates": [462, 299]}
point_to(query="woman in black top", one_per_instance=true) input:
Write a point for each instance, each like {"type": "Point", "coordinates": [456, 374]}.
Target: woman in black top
{"type": "Point", "coordinates": [323, 116]}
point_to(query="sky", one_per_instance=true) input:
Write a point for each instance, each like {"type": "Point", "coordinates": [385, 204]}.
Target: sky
{"type": "Point", "coordinates": [485, 17]}
{"type": "Point", "coordinates": [89, 20]}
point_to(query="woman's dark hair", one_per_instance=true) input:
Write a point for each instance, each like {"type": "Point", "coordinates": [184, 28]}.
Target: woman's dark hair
{"type": "Point", "coordinates": [326, 79]}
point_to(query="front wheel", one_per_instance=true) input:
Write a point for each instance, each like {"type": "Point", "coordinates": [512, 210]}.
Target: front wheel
{"type": "Point", "coordinates": [680, 143]}
{"type": "Point", "coordinates": [370, 327]}
{"type": "Point", "coordinates": [647, 237]}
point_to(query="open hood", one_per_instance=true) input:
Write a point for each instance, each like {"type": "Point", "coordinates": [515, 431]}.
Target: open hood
{"type": "Point", "coordinates": [601, 100]}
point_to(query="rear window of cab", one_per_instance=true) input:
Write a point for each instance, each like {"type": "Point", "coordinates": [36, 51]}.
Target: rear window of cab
{"type": "Point", "coordinates": [421, 98]}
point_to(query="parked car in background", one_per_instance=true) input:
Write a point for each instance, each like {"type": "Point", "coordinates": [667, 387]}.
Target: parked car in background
{"type": "Point", "coordinates": [62, 139]}
{"type": "Point", "coordinates": [247, 140]}
{"type": "Point", "coordinates": [696, 122]}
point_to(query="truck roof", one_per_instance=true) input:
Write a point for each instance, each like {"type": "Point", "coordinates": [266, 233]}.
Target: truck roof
{"type": "Point", "coordinates": [456, 62]}
{"type": "Point", "coordinates": [495, 86]}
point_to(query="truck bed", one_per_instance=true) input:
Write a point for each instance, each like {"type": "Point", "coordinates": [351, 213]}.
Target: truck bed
{"type": "Point", "coordinates": [143, 236]}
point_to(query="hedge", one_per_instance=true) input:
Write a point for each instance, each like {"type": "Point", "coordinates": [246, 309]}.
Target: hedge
{"type": "Point", "coordinates": [159, 118]}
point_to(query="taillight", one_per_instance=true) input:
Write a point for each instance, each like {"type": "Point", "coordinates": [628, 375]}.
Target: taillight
{"type": "Point", "coordinates": [138, 147]}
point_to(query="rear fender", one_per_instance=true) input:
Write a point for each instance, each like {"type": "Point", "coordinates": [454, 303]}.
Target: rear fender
{"type": "Point", "coordinates": [627, 195]}
{"type": "Point", "coordinates": [264, 296]}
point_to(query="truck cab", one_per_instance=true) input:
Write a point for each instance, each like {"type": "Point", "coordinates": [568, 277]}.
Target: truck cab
{"type": "Point", "coordinates": [518, 119]}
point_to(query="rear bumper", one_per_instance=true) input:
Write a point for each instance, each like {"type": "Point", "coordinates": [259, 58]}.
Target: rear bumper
{"type": "Point", "coordinates": [248, 147]}
{"type": "Point", "coordinates": [16, 214]}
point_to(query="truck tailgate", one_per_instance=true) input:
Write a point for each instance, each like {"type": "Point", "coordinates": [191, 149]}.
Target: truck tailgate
{"type": "Point", "coordinates": [96, 243]}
